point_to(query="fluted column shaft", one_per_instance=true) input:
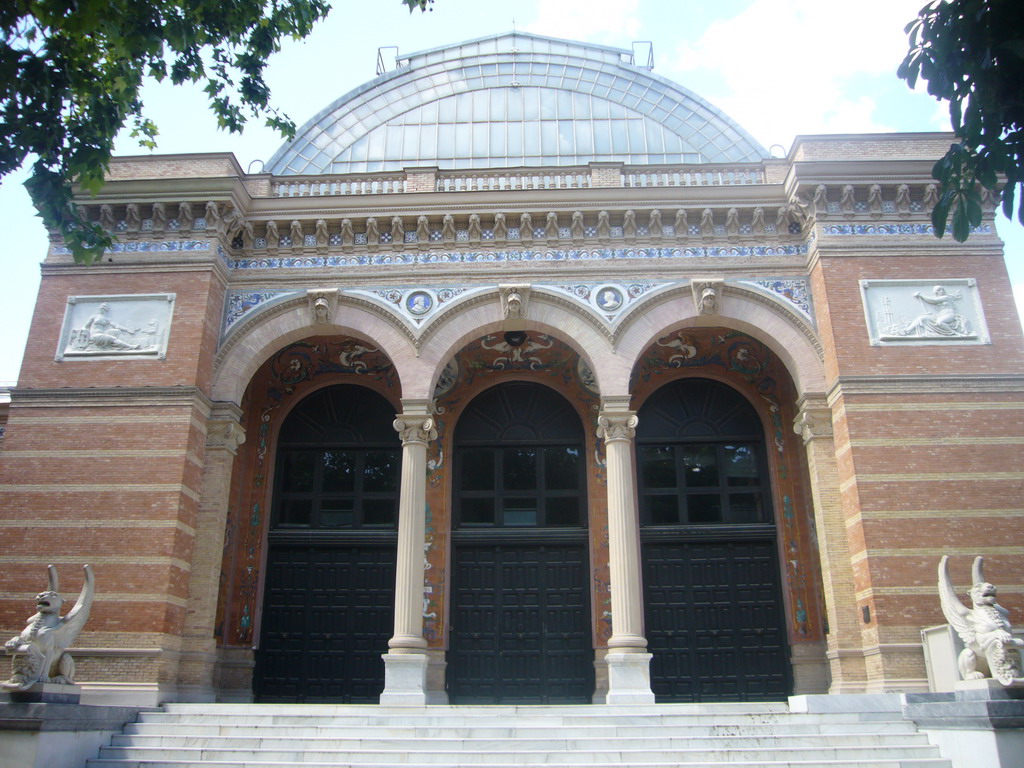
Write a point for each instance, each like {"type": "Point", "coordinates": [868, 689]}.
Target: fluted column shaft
{"type": "Point", "coordinates": [416, 429]}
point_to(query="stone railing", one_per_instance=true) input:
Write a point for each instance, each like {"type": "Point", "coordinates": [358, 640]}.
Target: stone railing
{"type": "Point", "coordinates": [349, 184]}
{"type": "Point", "coordinates": [691, 175]}
{"type": "Point", "coordinates": [505, 179]}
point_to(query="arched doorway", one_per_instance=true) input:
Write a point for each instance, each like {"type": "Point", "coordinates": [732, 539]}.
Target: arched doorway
{"type": "Point", "coordinates": [713, 604]}
{"type": "Point", "coordinates": [520, 616]}
{"type": "Point", "coordinates": [329, 594]}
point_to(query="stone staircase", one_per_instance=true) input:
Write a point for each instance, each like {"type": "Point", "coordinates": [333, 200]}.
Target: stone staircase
{"type": "Point", "coordinates": [655, 736]}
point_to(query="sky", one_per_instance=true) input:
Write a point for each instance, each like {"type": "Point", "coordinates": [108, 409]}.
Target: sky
{"type": "Point", "coordinates": [779, 68]}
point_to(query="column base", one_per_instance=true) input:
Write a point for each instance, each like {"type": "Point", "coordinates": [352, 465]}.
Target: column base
{"type": "Point", "coordinates": [405, 679]}
{"type": "Point", "coordinates": [629, 678]}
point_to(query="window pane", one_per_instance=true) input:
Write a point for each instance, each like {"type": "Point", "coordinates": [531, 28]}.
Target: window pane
{"type": "Point", "coordinates": [296, 511]}
{"type": "Point", "coordinates": [379, 513]}
{"type": "Point", "coordinates": [658, 466]}
{"type": "Point", "coordinates": [562, 510]}
{"type": "Point", "coordinates": [297, 472]}
{"type": "Point", "coordinates": [746, 508]}
{"type": "Point", "coordinates": [662, 510]}
{"type": "Point", "coordinates": [520, 512]}
{"type": "Point", "coordinates": [477, 512]}
{"type": "Point", "coordinates": [700, 466]}
{"type": "Point", "coordinates": [339, 471]}
{"type": "Point", "coordinates": [704, 508]}
{"type": "Point", "coordinates": [520, 469]}
{"type": "Point", "coordinates": [561, 468]}
{"type": "Point", "coordinates": [337, 513]}
{"type": "Point", "coordinates": [740, 465]}
{"type": "Point", "coordinates": [380, 471]}
{"type": "Point", "coordinates": [478, 470]}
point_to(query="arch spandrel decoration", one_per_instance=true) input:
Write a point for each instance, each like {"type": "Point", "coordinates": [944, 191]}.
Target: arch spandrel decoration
{"type": "Point", "coordinates": [280, 383]}
{"type": "Point", "coordinates": [476, 367]}
{"type": "Point", "coordinates": [758, 374]}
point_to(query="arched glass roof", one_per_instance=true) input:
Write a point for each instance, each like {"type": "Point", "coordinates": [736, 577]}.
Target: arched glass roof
{"type": "Point", "coordinates": [514, 100]}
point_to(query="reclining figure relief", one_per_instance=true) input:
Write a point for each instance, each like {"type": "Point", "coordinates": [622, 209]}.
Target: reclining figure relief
{"type": "Point", "coordinates": [990, 650]}
{"type": "Point", "coordinates": [40, 650]}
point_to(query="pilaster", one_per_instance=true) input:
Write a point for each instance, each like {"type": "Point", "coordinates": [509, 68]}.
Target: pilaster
{"type": "Point", "coordinates": [198, 657]}
{"type": "Point", "coordinates": [845, 647]}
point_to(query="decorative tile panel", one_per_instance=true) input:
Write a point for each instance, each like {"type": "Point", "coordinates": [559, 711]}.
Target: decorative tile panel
{"type": "Point", "coordinates": [240, 303]}
{"type": "Point", "coordinates": [891, 229]}
{"type": "Point", "coordinates": [794, 291]}
{"type": "Point", "coordinates": [146, 247]}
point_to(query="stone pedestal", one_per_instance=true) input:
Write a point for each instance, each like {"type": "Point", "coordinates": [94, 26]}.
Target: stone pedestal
{"type": "Point", "coordinates": [57, 735]}
{"type": "Point", "coordinates": [629, 678]}
{"type": "Point", "coordinates": [979, 725]}
{"type": "Point", "coordinates": [405, 679]}
{"type": "Point", "coordinates": [47, 693]}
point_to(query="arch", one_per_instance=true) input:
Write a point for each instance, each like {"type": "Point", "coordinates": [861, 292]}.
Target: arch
{"type": "Point", "coordinates": [268, 331]}
{"type": "Point", "coordinates": [628, 114]}
{"type": "Point", "coordinates": [763, 317]}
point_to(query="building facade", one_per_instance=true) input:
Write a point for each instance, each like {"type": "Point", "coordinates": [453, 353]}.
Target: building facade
{"type": "Point", "coordinates": [532, 372]}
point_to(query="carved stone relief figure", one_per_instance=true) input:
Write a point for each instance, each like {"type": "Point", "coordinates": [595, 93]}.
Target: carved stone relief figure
{"type": "Point", "coordinates": [159, 217]}
{"type": "Point", "coordinates": [707, 223]}
{"type": "Point", "coordinates": [757, 222]}
{"type": "Point", "coordinates": [931, 196]}
{"type": "Point", "coordinates": [654, 225]}
{"type": "Point", "coordinates": [875, 200]}
{"type": "Point", "coordinates": [914, 312]}
{"type": "Point", "coordinates": [732, 223]}
{"type": "Point", "coordinates": [102, 333]}
{"type": "Point", "coordinates": [397, 230]}
{"type": "Point", "coordinates": [681, 225]}
{"type": "Point", "coordinates": [943, 320]}
{"type": "Point", "coordinates": [604, 225]}
{"type": "Point", "coordinates": [248, 234]}
{"type": "Point", "coordinates": [348, 237]}
{"type": "Point", "coordinates": [107, 220]}
{"type": "Point", "coordinates": [514, 301]}
{"type": "Point", "coordinates": [132, 219]}
{"type": "Point", "coordinates": [40, 651]}
{"type": "Point", "coordinates": [629, 224]}
{"type": "Point", "coordinates": [212, 215]}
{"type": "Point", "coordinates": [551, 226]}
{"type": "Point", "coordinates": [296, 234]}
{"type": "Point", "coordinates": [273, 236]}
{"type": "Point", "coordinates": [372, 233]}
{"type": "Point", "coordinates": [706, 295]}
{"type": "Point", "coordinates": [422, 229]}
{"type": "Point", "coordinates": [847, 201]}
{"type": "Point", "coordinates": [185, 215]}
{"type": "Point", "coordinates": [322, 235]}
{"type": "Point", "coordinates": [526, 227]}
{"type": "Point", "coordinates": [500, 227]}
{"type": "Point", "coordinates": [474, 229]}
{"type": "Point", "coordinates": [820, 200]}
{"type": "Point", "coordinates": [323, 303]}
{"type": "Point", "coordinates": [577, 228]}
{"type": "Point", "coordinates": [448, 228]}
{"type": "Point", "coordinates": [903, 201]}
{"type": "Point", "coordinates": [989, 645]}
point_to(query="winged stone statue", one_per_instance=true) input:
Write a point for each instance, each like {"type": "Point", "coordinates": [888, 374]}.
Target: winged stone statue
{"type": "Point", "coordinates": [40, 650]}
{"type": "Point", "coordinates": [985, 628]}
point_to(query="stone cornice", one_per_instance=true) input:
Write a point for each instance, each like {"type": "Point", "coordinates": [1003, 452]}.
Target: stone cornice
{"type": "Point", "coordinates": [920, 384]}
{"type": "Point", "coordinates": [110, 396]}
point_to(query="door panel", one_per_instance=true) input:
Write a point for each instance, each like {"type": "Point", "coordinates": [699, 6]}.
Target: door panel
{"type": "Point", "coordinates": [520, 624]}
{"type": "Point", "coordinates": [327, 617]}
{"type": "Point", "coordinates": [714, 621]}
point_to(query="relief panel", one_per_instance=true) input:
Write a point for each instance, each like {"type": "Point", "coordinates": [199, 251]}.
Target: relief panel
{"type": "Point", "coordinates": [919, 312]}
{"type": "Point", "coordinates": [116, 327]}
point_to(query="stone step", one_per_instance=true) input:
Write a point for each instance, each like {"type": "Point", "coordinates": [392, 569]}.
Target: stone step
{"type": "Point", "coordinates": [486, 710]}
{"type": "Point", "coordinates": [933, 762]}
{"type": "Point", "coordinates": [665, 741]}
{"type": "Point", "coordinates": [455, 731]}
{"type": "Point", "coordinates": [522, 756]}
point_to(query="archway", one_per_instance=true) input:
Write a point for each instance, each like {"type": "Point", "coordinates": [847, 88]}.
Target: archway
{"type": "Point", "coordinates": [329, 592]}
{"type": "Point", "coordinates": [520, 619]}
{"type": "Point", "coordinates": [712, 584]}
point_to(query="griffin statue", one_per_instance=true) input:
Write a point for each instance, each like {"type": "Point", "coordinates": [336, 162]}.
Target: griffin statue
{"type": "Point", "coordinates": [39, 651]}
{"type": "Point", "coordinates": [985, 629]}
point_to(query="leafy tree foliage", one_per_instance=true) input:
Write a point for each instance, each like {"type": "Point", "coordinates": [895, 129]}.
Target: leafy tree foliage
{"type": "Point", "coordinates": [971, 53]}
{"type": "Point", "coordinates": [71, 73]}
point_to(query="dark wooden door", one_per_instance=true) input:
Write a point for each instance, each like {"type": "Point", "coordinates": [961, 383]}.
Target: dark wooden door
{"type": "Point", "coordinates": [327, 617]}
{"type": "Point", "coordinates": [520, 631]}
{"type": "Point", "coordinates": [714, 621]}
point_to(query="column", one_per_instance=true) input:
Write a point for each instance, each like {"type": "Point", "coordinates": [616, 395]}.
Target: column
{"type": "Point", "coordinates": [405, 663]}
{"type": "Point", "coordinates": [629, 674]}
{"type": "Point", "coordinates": [845, 653]}
{"type": "Point", "coordinates": [198, 653]}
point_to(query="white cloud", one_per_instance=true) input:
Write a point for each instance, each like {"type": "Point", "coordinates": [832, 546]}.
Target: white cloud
{"type": "Point", "coordinates": [800, 66]}
{"type": "Point", "coordinates": [596, 21]}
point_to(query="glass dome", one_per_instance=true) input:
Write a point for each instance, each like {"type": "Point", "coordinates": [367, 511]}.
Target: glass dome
{"type": "Point", "coordinates": [514, 100]}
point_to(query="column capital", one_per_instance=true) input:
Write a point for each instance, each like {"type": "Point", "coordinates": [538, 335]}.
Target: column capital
{"type": "Point", "coordinates": [616, 425]}
{"type": "Point", "coordinates": [415, 429]}
{"type": "Point", "coordinates": [223, 429]}
{"type": "Point", "coordinates": [814, 419]}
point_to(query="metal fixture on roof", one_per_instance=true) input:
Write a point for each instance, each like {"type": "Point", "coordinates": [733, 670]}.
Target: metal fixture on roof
{"type": "Point", "coordinates": [643, 54]}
